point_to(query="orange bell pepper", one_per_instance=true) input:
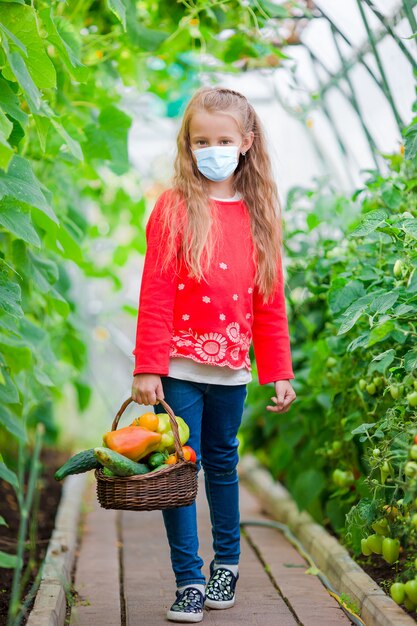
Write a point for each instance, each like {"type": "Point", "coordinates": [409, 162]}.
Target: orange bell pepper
{"type": "Point", "coordinates": [134, 442]}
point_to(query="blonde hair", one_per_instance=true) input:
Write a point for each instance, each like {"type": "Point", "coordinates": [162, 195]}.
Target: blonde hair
{"type": "Point", "coordinates": [191, 216]}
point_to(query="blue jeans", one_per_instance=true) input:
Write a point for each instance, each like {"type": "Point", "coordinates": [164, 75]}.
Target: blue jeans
{"type": "Point", "coordinates": [214, 414]}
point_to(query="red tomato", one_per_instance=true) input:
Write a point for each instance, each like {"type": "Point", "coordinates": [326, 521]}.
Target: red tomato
{"type": "Point", "coordinates": [189, 454]}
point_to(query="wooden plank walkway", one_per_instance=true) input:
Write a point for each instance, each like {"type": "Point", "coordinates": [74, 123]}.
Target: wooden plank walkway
{"type": "Point", "coordinates": [123, 573]}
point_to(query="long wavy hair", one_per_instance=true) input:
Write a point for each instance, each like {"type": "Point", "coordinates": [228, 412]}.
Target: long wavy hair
{"type": "Point", "coordinates": [190, 215]}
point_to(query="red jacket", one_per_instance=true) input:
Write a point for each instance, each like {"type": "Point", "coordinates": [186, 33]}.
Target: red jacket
{"type": "Point", "coordinates": [215, 321]}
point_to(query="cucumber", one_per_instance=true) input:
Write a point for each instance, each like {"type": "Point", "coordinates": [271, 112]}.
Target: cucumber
{"type": "Point", "coordinates": [118, 464]}
{"type": "Point", "coordinates": [107, 472]}
{"type": "Point", "coordinates": [77, 464]}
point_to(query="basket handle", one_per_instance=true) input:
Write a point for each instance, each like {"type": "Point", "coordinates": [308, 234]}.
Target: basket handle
{"type": "Point", "coordinates": [174, 425]}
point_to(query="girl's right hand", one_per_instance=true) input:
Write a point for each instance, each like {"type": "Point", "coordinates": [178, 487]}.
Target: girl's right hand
{"type": "Point", "coordinates": [146, 387]}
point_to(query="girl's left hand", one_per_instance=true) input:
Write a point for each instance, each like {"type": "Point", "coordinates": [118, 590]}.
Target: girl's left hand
{"type": "Point", "coordinates": [285, 395]}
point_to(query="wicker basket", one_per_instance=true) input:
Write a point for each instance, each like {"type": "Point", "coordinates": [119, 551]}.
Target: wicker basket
{"type": "Point", "coordinates": [169, 488]}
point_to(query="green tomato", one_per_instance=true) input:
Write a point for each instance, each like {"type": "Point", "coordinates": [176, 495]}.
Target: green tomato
{"type": "Point", "coordinates": [381, 526]}
{"type": "Point", "coordinates": [414, 520]}
{"type": "Point", "coordinates": [410, 469]}
{"type": "Point", "coordinates": [362, 384]}
{"type": "Point", "coordinates": [376, 452]}
{"type": "Point", "coordinates": [331, 362]}
{"type": "Point", "coordinates": [375, 543]}
{"type": "Point", "coordinates": [412, 398]}
{"type": "Point", "coordinates": [371, 389]}
{"type": "Point", "coordinates": [397, 591]}
{"type": "Point", "coordinates": [390, 549]}
{"type": "Point", "coordinates": [366, 550]}
{"type": "Point", "coordinates": [377, 380]}
{"type": "Point", "coordinates": [395, 391]}
{"type": "Point", "coordinates": [410, 606]}
{"type": "Point", "coordinates": [411, 590]}
{"type": "Point", "coordinates": [413, 452]}
{"type": "Point", "coordinates": [337, 446]}
{"type": "Point", "coordinates": [343, 479]}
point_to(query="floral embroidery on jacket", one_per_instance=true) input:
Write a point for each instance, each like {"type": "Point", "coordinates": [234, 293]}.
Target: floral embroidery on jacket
{"type": "Point", "coordinates": [214, 347]}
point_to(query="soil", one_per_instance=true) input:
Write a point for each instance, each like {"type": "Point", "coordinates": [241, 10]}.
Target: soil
{"type": "Point", "coordinates": [49, 491]}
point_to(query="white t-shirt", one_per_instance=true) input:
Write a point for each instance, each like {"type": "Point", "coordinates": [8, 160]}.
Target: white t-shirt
{"type": "Point", "coordinates": [187, 369]}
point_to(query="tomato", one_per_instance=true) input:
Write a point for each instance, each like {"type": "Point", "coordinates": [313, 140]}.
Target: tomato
{"type": "Point", "coordinates": [390, 549]}
{"type": "Point", "coordinates": [366, 550]}
{"type": "Point", "coordinates": [343, 479]}
{"type": "Point", "coordinates": [395, 391]}
{"type": "Point", "coordinates": [375, 543]}
{"type": "Point", "coordinates": [362, 384]}
{"type": "Point", "coordinates": [397, 591]}
{"type": "Point", "coordinates": [412, 398]}
{"type": "Point", "coordinates": [411, 590]}
{"type": "Point", "coordinates": [410, 469]}
{"type": "Point", "coordinates": [171, 460]}
{"type": "Point", "coordinates": [371, 389]}
{"type": "Point", "coordinates": [337, 446]}
{"type": "Point", "coordinates": [413, 452]}
{"type": "Point", "coordinates": [189, 454]}
{"type": "Point", "coordinates": [385, 471]}
{"type": "Point", "coordinates": [377, 380]}
{"type": "Point", "coordinates": [331, 362]}
{"type": "Point", "coordinates": [391, 511]}
{"type": "Point", "coordinates": [410, 606]}
{"type": "Point", "coordinates": [381, 526]}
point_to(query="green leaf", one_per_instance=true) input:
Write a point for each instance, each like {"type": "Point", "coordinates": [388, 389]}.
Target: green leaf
{"type": "Point", "coordinates": [20, 183]}
{"type": "Point", "coordinates": [382, 361]}
{"type": "Point", "coordinates": [410, 360]}
{"type": "Point", "coordinates": [381, 332]}
{"type": "Point", "coordinates": [410, 227]}
{"type": "Point", "coordinates": [8, 390]}
{"type": "Point", "coordinates": [10, 296]}
{"type": "Point", "coordinates": [72, 144]}
{"type": "Point", "coordinates": [384, 302]}
{"type": "Point", "coordinates": [62, 34]}
{"type": "Point", "coordinates": [370, 222]}
{"type": "Point", "coordinates": [411, 142]}
{"type": "Point", "coordinates": [21, 21]}
{"type": "Point", "coordinates": [307, 486]}
{"type": "Point", "coordinates": [9, 476]}
{"type": "Point", "coordinates": [23, 77]}
{"type": "Point", "coordinates": [3, 521]}
{"type": "Point", "coordinates": [9, 102]}
{"type": "Point", "coordinates": [119, 9]}
{"type": "Point", "coordinates": [353, 313]}
{"type": "Point", "coordinates": [363, 428]}
{"type": "Point", "coordinates": [8, 561]}
{"type": "Point", "coordinates": [108, 141]}
{"type": "Point", "coordinates": [12, 423]}
{"type": "Point", "coordinates": [18, 221]}
{"type": "Point", "coordinates": [6, 153]}
{"type": "Point", "coordinates": [6, 126]}
{"type": "Point", "coordinates": [342, 297]}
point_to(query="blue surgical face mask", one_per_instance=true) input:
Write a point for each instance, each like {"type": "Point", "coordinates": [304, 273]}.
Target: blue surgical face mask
{"type": "Point", "coordinates": [217, 162]}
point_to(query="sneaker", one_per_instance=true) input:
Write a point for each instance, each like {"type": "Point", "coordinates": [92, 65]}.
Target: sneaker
{"type": "Point", "coordinates": [220, 589]}
{"type": "Point", "coordinates": [188, 607]}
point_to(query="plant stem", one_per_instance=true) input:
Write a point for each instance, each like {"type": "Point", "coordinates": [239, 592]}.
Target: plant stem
{"type": "Point", "coordinates": [25, 505]}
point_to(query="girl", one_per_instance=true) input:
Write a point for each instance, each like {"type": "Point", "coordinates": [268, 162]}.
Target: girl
{"type": "Point", "coordinates": [212, 283]}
